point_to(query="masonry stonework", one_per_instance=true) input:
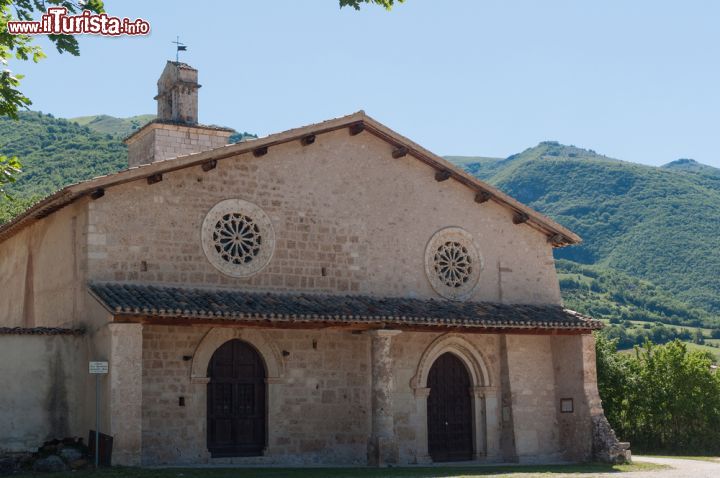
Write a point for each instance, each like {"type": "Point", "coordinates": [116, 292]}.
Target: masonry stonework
{"type": "Point", "coordinates": [321, 404]}
{"type": "Point", "coordinates": [160, 141]}
{"type": "Point", "coordinates": [334, 231]}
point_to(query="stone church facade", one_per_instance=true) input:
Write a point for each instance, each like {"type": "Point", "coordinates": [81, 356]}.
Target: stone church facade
{"type": "Point", "coordinates": [332, 294]}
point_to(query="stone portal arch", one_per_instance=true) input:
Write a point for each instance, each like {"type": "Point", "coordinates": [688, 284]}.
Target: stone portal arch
{"type": "Point", "coordinates": [275, 373]}
{"type": "Point", "coordinates": [460, 347]}
{"type": "Point", "coordinates": [484, 394]}
{"type": "Point", "coordinates": [219, 335]}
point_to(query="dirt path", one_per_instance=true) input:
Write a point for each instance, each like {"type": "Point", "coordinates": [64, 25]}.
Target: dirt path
{"type": "Point", "coordinates": [679, 468]}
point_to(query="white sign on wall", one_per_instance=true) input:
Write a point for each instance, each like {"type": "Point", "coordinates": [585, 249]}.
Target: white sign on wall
{"type": "Point", "coordinates": [98, 367]}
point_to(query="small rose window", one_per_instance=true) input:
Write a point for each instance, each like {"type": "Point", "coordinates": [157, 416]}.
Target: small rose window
{"type": "Point", "coordinates": [237, 237]}
{"type": "Point", "coordinates": [452, 263]}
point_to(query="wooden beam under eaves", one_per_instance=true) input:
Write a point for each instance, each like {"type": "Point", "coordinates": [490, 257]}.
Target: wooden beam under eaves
{"type": "Point", "coordinates": [98, 193]}
{"type": "Point", "coordinates": [520, 218]}
{"type": "Point", "coordinates": [307, 140]}
{"type": "Point", "coordinates": [209, 165]}
{"type": "Point", "coordinates": [399, 152]}
{"type": "Point", "coordinates": [556, 239]}
{"type": "Point", "coordinates": [356, 129]}
{"type": "Point", "coordinates": [260, 151]}
{"type": "Point", "coordinates": [482, 196]}
{"type": "Point", "coordinates": [443, 175]}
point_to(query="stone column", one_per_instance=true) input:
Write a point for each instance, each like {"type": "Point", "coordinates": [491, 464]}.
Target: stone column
{"type": "Point", "coordinates": [275, 400]}
{"type": "Point", "coordinates": [492, 423]}
{"type": "Point", "coordinates": [477, 395]}
{"type": "Point", "coordinates": [126, 393]}
{"type": "Point", "coordinates": [382, 447]}
{"type": "Point", "coordinates": [421, 398]}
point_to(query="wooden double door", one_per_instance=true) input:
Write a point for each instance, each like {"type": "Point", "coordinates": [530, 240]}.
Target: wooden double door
{"type": "Point", "coordinates": [449, 410]}
{"type": "Point", "coordinates": [236, 409]}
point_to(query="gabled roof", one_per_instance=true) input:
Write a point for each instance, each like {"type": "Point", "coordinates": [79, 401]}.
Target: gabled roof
{"type": "Point", "coordinates": [357, 123]}
{"type": "Point", "coordinates": [129, 301]}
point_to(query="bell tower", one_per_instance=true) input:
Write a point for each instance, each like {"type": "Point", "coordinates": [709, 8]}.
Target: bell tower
{"type": "Point", "coordinates": [177, 98]}
{"type": "Point", "coordinates": [176, 131]}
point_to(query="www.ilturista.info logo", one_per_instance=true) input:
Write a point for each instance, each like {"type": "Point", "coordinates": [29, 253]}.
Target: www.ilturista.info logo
{"type": "Point", "coordinates": [57, 22]}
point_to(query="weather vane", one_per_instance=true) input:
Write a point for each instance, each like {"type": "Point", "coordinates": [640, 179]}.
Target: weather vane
{"type": "Point", "coordinates": [180, 47]}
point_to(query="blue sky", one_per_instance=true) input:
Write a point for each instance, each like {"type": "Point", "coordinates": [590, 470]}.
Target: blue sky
{"type": "Point", "coordinates": [636, 80]}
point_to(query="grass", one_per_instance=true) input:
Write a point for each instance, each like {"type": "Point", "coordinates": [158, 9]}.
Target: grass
{"type": "Point", "coordinates": [711, 345]}
{"type": "Point", "coordinates": [524, 471]}
{"type": "Point", "coordinates": [713, 459]}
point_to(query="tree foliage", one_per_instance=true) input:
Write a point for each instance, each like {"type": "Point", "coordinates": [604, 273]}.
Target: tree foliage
{"type": "Point", "coordinates": [605, 293]}
{"type": "Point", "coordinates": [387, 4]}
{"type": "Point", "coordinates": [21, 47]}
{"type": "Point", "coordinates": [56, 152]}
{"type": "Point", "coordinates": [662, 398]}
{"type": "Point", "coordinates": [9, 168]}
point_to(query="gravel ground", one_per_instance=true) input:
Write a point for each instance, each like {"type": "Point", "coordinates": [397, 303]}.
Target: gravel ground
{"type": "Point", "coordinates": [679, 468]}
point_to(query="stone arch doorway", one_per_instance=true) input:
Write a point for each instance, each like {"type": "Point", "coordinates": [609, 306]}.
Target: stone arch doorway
{"type": "Point", "coordinates": [449, 410]}
{"type": "Point", "coordinates": [236, 401]}
{"type": "Point", "coordinates": [479, 388]}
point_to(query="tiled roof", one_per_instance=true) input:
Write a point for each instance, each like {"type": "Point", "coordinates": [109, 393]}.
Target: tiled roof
{"type": "Point", "coordinates": [40, 331]}
{"type": "Point", "coordinates": [140, 300]}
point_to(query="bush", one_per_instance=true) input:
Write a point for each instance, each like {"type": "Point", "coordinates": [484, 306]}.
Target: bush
{"type": "Point", "coordinates": [663, 398]}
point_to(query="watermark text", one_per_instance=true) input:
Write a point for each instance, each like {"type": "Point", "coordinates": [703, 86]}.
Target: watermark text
{"type": "Point", "coordinates": [57, 22]}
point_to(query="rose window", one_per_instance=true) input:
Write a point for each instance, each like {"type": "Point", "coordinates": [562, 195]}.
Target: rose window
{"type": "Point", "coordinates": [238, 237]}
{"type": "Point", "coordinates": [453, 263]}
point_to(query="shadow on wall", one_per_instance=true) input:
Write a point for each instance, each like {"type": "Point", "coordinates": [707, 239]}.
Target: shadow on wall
{"type": "Point", "coordinates": [57, 396]}
{"type": "Point", "coordinates": [41, 398]}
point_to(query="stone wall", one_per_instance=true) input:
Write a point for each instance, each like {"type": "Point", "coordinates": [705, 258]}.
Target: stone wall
{"type": "Point", "coordinates": [44, 378]}
{"type": "Point", "coordinates": [534, 406]}
{"type": "Point", "coordinates": [42, 272]}
{"type": "Point", "coordinates": [318, 408]}
{"type": "Point", "coordinates": [319, 402]}
{"type": "Point", "coordinates": [570, 376]}
{"type": "Point", "coordinates": [348, 218]}
{"type": "Point", "coordinates": [158, 141]}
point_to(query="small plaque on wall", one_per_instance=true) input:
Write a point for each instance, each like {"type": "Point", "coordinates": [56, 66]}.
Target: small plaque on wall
{"type": "Point", "coordinates": [566, 405]}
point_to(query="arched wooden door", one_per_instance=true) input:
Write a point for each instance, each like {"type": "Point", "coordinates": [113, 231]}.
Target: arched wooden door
{"type": "Point", "coordinates": [236, 401]}
{"type": "Point", "coordinates": [449, 410]}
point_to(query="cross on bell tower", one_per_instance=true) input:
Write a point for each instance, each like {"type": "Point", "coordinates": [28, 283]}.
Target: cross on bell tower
{"type": "Point", "coordinates": [180, 47]}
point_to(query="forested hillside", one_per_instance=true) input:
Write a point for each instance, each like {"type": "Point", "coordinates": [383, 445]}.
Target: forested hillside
{"type": "Point", "coordinates": [55, 152]}
{"type": "Point", "coordinates": [109, 124]}
{"type": "Point", "coordinates": [657, 224]}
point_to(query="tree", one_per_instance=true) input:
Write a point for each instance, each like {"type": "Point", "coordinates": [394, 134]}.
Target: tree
{"type": "Point", "coordinates": [663, 398]}
{"type": "Point", "coordinates": [698, 337]}
{"type": "Point", "coordinates": [21, 47]}
{"type": "Point", "coordinates": [387, 4]}
{"type": "Point", "coordinates": [612, 377]}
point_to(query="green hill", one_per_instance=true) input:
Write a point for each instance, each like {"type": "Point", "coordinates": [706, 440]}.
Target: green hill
{"type": "Point", "coordinates": [656, 224]}
{"type": "Point", "coordinates": [55, 152]}
{"type": "Point", "coordinates": [121, 127]}
{"type": "Point", "coordinates": [691, 166]}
